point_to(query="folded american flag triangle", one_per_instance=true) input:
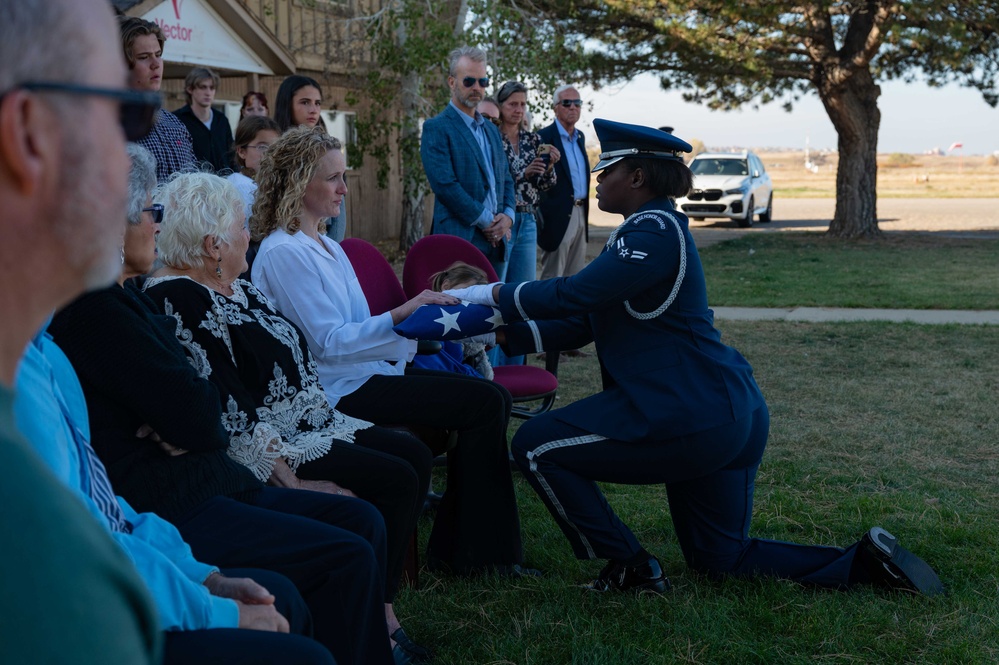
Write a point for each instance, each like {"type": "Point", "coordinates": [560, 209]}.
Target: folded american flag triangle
{"type": "Point", "coordinates": [444, 322]}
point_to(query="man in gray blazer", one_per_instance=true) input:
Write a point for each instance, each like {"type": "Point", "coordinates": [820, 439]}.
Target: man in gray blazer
{"type": "Point", "coordinates": [465, 163]}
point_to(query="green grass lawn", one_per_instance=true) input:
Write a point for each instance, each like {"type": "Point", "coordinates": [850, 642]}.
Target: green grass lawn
{"type": "Point", "coordinates": [906, 271]}
{"type": "Point", "coordinates": [872, 424]}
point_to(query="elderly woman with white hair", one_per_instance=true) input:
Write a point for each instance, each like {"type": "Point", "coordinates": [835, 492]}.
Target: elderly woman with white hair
{"type": "Point", "coordinates": [280, 423]}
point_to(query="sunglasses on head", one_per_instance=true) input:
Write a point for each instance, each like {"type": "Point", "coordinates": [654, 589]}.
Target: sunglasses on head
{"type": "Point", "coordinates": [157, 210]}
{"type": "Point", "coordinates": [566, 103]}
{"type": "Point", "coordinates": [469, 81]}
{"type": "Point", "coordinates": [138, 109]}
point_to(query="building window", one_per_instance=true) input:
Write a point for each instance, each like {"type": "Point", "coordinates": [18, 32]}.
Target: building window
{"type": "Point", "coordinates": [340, 125]}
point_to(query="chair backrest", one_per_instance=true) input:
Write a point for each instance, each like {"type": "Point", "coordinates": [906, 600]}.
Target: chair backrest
{"type": "Point", "coordinates": [375, 274]}
{"type": "Point", "coordinates": [431, 254]}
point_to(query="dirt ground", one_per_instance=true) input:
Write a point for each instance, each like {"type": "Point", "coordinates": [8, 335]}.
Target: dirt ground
{"type": "Point", "coordinates": [954, 218]}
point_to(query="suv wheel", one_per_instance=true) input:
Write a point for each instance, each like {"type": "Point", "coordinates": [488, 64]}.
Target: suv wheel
{"type": "Point", "coordinates": [747, 220]}
{"type": "Point", "coordinates": [768, 214]}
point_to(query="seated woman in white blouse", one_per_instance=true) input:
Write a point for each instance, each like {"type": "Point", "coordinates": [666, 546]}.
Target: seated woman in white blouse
{"type": "Point", "coordinates": [362, 362]}
{"type": "Point", "coordinates": [279, 421]}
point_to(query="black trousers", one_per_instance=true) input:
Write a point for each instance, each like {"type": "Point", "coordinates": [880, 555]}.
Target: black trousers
{"type": "Point", "coordinates": [331, 547]}
{"type": "Point", "coordinates": [709, 478]}
{"type": "Point", "coordinates": [252, 647]}
{"type": "Point", "coordinates": [477, 526]}
{"type": "Point", "coordinates": [389, 469]}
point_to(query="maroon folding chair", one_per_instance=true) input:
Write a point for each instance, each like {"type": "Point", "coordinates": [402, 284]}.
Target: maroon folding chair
{"type": "Point", "coordinates": [526, 383]}
{"type": "Point", "coordinates": [378, 280]}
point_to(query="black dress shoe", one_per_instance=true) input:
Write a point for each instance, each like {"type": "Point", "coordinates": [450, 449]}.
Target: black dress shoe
{"type": "Point", "coordinates": [417, 654]}
{"type": "Point", "coordinates": [646, 577]}
{"type": "Point", "coordinates": [400, 657]}
{"type": "Point", "coordinates": [891, 565]}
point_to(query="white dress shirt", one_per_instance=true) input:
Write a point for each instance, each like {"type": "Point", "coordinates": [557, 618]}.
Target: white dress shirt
{"type": "Point", "coordinates": [315, 286]}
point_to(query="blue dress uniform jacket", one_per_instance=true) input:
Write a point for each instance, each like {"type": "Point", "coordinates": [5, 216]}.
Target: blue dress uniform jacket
{"type": "Point", "coordinates": [678, 407]}
{"type": "Point", "coordinates": [557, 203]}
{"type": "Point", "coordinates": [456, 170]}
{"type": "Point", "coordinates": [664, 377]}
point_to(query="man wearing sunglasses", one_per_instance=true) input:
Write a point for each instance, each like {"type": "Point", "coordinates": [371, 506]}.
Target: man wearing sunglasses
{"type": "Point", "coordinates": [169, 141]}
{"type": "Point", "coordinates": [467, 168]}
{"type": "Point", "coordinates": [565, 207]}
{"type": "Point", "coordinates": [68, 594]}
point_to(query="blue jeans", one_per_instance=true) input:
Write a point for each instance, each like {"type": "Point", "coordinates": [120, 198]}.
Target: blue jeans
{"type": "Point", "coordinates": [522, 266]}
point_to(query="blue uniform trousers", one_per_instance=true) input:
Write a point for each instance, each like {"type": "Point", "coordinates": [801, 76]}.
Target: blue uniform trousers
{"type": "Point", "coordinates": [709, 478]}
{"type": "Point", "coordinates": [252, 647]}
{"type": "Point", "coordinates": [332, 548]}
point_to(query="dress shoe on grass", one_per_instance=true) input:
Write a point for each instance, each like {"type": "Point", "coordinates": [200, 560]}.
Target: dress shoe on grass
{"type": "Point", "coordinates": [893, 566]}
{"type": "Point", "coordinates": [417, 654]}
{"type": "Point", "coordinates": [645, 577]}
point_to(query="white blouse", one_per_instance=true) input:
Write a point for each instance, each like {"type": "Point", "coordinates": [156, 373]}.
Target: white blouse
{"type": "Point", "coordinates": [315, 286]}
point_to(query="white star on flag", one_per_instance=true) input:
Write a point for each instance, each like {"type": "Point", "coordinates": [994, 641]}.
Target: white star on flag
{"type": "Point", "coordinates": [496, 319]}
{"type": "Point", "coordinates": [449, 321]}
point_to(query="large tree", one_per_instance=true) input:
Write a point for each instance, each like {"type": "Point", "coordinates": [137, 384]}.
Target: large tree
{"type": "Point", "coordinates": [726, 53]}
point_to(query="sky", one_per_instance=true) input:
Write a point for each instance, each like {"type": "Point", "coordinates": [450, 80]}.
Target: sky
{"type": "Point", "coordinates": [914, 118]}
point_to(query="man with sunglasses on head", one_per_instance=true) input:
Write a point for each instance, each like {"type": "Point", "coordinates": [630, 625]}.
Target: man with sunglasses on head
{"type": "Point", "coordinates": [169, 141]}
{"type": "Point", "coordinates": [68, 594]}
{"type": "Point", "coordinates": [565, 207]}
{"type": "Point", "coordinates": [465, 163]}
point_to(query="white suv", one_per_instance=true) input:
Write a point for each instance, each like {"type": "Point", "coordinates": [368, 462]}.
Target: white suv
{"type": "Point", "coordinates": [729, 184]}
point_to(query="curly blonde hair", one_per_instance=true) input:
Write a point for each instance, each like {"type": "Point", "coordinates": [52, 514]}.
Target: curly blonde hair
{"type": "Point", "coordinates": [285, 171]}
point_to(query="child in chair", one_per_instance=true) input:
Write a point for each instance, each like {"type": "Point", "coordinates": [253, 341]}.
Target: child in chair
{"type": "Point", "coordinates": [459, 275]}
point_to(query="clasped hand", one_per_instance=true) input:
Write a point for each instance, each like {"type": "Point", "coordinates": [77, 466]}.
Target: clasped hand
{"type": "Point", "coordinates": [255, 603]}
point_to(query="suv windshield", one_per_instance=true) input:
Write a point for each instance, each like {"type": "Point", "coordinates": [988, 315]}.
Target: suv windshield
{"type": "Point", "coordinates": [719, 167]}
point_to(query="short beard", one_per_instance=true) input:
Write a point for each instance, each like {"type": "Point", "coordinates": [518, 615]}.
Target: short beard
{"type": "Point", "coordinates": [93, 246]}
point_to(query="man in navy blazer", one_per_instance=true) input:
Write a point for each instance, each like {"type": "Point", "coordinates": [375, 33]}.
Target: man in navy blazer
{"type": "Point", "coordinates": [465, 163]}
{"type": "Point", "coordinates": [565, 208]}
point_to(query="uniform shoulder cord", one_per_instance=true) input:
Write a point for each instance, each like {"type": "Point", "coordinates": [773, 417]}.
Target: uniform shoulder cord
{"type": "Point", "coordinates": [654, 214]}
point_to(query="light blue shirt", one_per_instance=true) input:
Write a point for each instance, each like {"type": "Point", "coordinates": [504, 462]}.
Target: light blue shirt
{"type": "Point", "coordinates": [51, 413]}
{"type": "Point", "coordinates": [476, 125]}
{"type": "Point", "coordinates": [575, 160]}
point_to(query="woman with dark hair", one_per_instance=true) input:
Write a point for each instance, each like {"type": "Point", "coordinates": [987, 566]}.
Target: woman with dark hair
{"type": "Point", "coordinates": [299, 101]}
{"type": "Point", "coordinates": [254, 134]}
{"type": "Point", "coordinates": [254, 103]}
{"type": "Point", "coordinates": [678, 407]}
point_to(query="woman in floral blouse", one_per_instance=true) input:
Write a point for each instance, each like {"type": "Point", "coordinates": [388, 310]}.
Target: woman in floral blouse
{"type": "Point", "coordinates": [280, 424]}
{"type": "Point", "coordinates": [532, 174]}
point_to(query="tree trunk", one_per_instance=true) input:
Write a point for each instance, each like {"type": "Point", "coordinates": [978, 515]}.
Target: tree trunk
{"type": "Point", "coordinates": [853, 108]}
{"type": "Point", "coordinates": [413, 199]}
{"type": "Point", "coordinates": [414, 187]}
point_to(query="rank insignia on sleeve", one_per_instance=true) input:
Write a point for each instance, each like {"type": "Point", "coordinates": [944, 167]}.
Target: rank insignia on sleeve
{"type": "Point", "coordinates": [627, 253]}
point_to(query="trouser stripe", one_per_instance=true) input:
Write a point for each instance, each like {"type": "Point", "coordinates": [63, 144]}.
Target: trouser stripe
{"type": "Point", "coordinates": [549, 492]}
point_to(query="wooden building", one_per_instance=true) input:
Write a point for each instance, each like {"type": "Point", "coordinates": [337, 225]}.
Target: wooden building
{"type": "Point", "coordinates": [254, 45]}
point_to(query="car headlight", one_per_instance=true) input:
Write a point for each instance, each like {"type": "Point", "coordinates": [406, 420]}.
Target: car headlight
{"type": "Point", "coordinates": [741, 189]}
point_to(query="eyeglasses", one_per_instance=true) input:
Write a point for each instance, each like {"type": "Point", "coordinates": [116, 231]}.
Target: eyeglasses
{"type": "Point", "coordinates": [566, 103]}
{"type": "Point", "coordinates": [138, 109]}
{"type": "Point", "coordinates": [262, 147]}
{"type": "Point", "coordinates": [157, 210]}
{"type": "Point", "coordinates": [469, 81]}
